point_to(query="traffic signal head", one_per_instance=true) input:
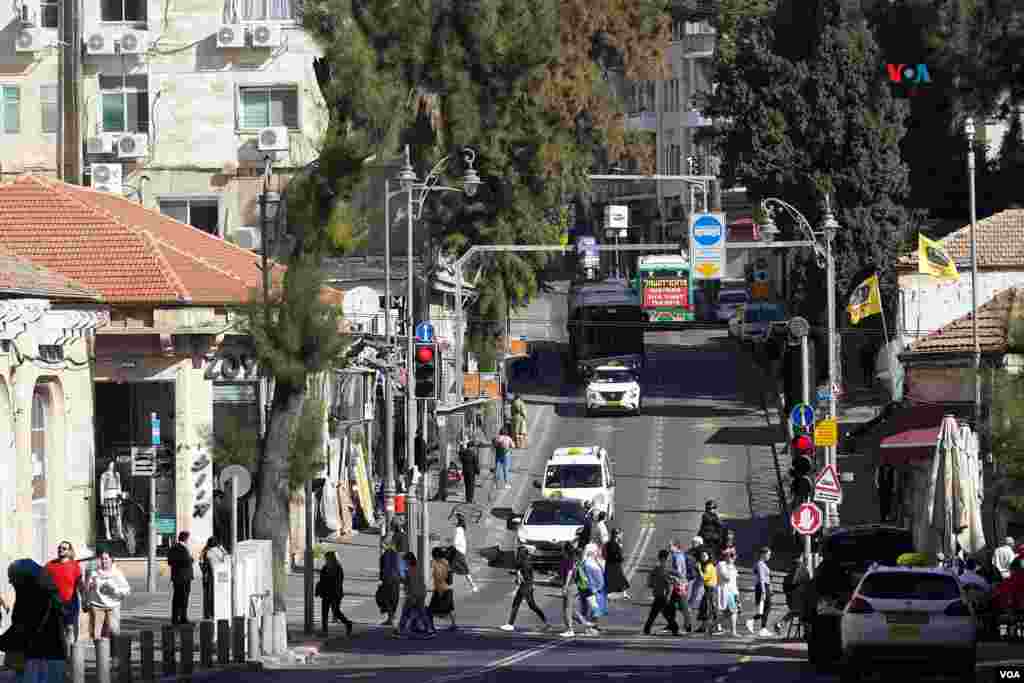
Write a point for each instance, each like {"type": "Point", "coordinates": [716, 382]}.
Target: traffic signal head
{"type": "Point", "coordinates": [801, 448]}
{"type": "Point", "coordinates": [426, 370]}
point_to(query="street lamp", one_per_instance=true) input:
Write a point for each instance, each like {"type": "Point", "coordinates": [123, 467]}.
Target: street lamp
{"type": "Point", "coordinates": [416, 196]}
{"type": "Point", "coordinates": [824, 259]}
{"type": "Point", "coordinates": [976, 364]}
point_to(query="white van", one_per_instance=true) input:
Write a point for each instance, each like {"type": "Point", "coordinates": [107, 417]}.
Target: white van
{"type": "Point", "coordinates": [583, 473]}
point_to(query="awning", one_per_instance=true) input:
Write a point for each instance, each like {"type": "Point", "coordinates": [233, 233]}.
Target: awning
{"type": "Point", "coordinates": [911, 434]}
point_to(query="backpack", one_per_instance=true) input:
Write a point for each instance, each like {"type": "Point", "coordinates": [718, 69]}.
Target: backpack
{"type": "Point", "coordinates": [582, 582]}
{"type": "Point", "coordinates": [403, 568]}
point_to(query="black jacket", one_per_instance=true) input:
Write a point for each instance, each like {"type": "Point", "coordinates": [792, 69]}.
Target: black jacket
{"type": "Point", "coordinates": [524, 567]}
{"type": "Point", "coordinates": [179, 559]}
{"type": "Point", "coordinates": [711, 529]}
{"type": "Point", "coordinates": [470, 460]}
{"type": "Point", "coordinates": [37, 623]}
{"type": "Point", "coordinates": [332, 582]}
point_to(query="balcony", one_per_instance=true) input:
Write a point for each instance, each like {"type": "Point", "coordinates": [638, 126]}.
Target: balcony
{"type": "Point", "coordinates": [644, 120]}
{"type": "Point", "coordinates": [693, 44]}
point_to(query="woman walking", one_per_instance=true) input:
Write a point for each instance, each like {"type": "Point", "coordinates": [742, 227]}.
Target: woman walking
{"type": "Point", "coordinates": [601, 533]}
{"type": "Point", "coordinates": [524, 591]}
{"type": "Point", "coordinates": [35, 643]}
{"type": "Point", "coordinates": [390, 589]}
{"type": "Point", "coordinates": [502, 445]}
{"type": "Point", "coordinates": [614, 577]}
{"type": "Point", "coordinates": [212, 554]}
{"type": "Point", "coordinates": [460, 565]}
{"type": "Point", "coordinates": [570, 588]}
{"type": "Point", "coordinates": [709, 605]}
{"type": "Point", "coordinates": [597, 598]}
{"type": "Point", "coordinates": [519, 421]}
{"type": "Point", "coordinates": [442, 602]}
{"type": "Point", "coordinates": [331, 589]}
{"type": "Point", "coordinates": [729, 590]}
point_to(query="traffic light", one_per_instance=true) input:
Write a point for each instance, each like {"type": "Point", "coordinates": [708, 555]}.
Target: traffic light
{"type": "Point", "coordinates": [801, 448]}
{"type": "Point", "coordinates": [426, 370]}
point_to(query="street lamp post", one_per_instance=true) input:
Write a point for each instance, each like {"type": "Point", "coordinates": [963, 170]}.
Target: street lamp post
{"type": "Point", "coordinates": [825, 260]}
{"type": "Point", "coordinates": [416, 196]}
{"type": "Point", "coordinates": [976, 364]}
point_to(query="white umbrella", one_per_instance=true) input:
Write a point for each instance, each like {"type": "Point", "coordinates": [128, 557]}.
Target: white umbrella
{"type": "Point", "coordinates": [941, 496]}
{"type": "Point", "coordinates": [972, 536]}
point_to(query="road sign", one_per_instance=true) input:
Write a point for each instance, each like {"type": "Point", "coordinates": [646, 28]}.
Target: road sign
{"type": "Point", "coordinates": [802, 415]}
{"type": "Point", "coordinates": [823, 394]}
{"type": "Point", "coordinates": [244, 479]}
{"type": "Point", "coordinates": [806, 519]}
{"type": "Point", "coordinates": [707, 245]}
{"type": "Point", "coordinates": [616, 216]}
{"type": "Point", "coordinates": [826, 432]}
{"type": "Point", "coordinates": [425, 332]}
{"type": "Point", "coordinates": [826, 486]}
{"type": "Point", "coordinates": [154, 427]}
{"type": "Point", "coordinates": [143, 462]}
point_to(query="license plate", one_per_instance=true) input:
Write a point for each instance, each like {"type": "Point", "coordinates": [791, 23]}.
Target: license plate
{"type": "Point", "coordinates": [904, 632]}
{"type": "Point", "coordinates": [614, 403]}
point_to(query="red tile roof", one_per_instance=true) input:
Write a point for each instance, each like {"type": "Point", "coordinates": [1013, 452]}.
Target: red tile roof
{"type": "Point", "coordinates": [1000, 240]}
{"type": "Point", "coordinates": [128, 253]}
{"type": "Point", "coordinates": [993, 328]}
{"type": "Point", "coordinates": [19, 277]}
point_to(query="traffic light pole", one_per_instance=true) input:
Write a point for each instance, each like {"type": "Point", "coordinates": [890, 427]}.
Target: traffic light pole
{"type": "Point", "coordinates": [805, 397]}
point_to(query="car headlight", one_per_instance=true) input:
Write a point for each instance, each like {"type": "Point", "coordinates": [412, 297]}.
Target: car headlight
{"type": "Point", "coordinates": [634, 391]}
{"type": "Point", "coordinates": [521, 537]}
{"type": "Point", "coordinates": [593, 395]}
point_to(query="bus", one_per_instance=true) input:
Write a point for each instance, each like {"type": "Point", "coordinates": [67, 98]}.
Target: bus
{"type": "Point", "coordinates": [605, 322]}
{"type": "Point", "coordinates": [665, 288]}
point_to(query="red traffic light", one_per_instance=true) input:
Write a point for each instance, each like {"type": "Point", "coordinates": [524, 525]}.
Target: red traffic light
{"type": "Point", "coordinates": [425, 354]}
{"type": "Point", "coordinates": [803, 443]}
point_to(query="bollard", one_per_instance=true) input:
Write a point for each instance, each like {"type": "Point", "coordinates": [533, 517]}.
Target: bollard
{"type": "Point", "coordinates": [267, 633]}
{"type": "Point", "coordinates": [147, 653]}
{"type": "Point", "coordinates": [123, 653]}
{"type": "Point", "coordinates": [188, 650]}
{"type": "Point", "coordinates": [253, 625]}
{"type": "Point", "coordinates": [206, 644]}
{"type": "Point", "coordinates": [167, 649]}
{"type": "Point", "coordinates": [78, 662]}
{"type": "Point", "coordinates": [102, 660]}
{"type": "Point", "coordinates": [280, 621]}
{"type": "Point", "coordinates": [224, 642]}
{"type": "Point", "coordinates": [238, 625]}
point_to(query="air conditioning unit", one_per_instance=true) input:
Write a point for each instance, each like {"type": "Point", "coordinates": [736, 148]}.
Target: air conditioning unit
{"type": "Point", "coordinates": [29, 14]}
{"type": "Point", "coordinates": [28, 40]}
{"type": "Point", "coordinates": [99, 44]}
{"type": "Point", "coordinates": [273, 139]}
{"type": "Point", "coordinates": [132, 145]}
{"type": "Point", "coordinates": [247, 237]}
{"type": "Point", "coordinates": [265, 35]}
{"type": "Point", "coordinates": [231, 35]}
{"type": "Point", "coordinates": [107, 177]}
{"type": "Point", "coordinates": [133, 43]}
{"type": "Point", "coordinates": [104, 143]}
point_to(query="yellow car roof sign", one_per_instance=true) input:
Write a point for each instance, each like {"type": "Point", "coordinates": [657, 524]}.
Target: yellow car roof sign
{"type": "Point", "coordinates": [575, 450]}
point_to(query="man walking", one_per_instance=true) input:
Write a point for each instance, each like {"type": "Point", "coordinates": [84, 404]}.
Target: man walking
{"type": "Point", "coordinates": [67, 577]}
{"type": "Point", "coordinates": [762, 594]}
{"type": "Point", "coordinates": [470, 468]}
{"type": "Point", "coordinates": [502, 445]}
{"type": "Point", "coordinates": [684, 572]}
{"type": "Point", "coordinates": [179, 559]}
{"type": "Point", "coordinates": [524, 591]}
{"type": "Point", "coordinates": [660, 582]}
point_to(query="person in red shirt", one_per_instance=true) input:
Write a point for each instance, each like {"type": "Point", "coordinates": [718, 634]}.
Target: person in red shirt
{"type": "Point", "coordinates": [67, 576]}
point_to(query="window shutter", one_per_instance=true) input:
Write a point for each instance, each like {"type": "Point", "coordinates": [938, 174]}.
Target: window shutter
{"type": "Point", "coordinates": [255, 108]}
{"type": "Point", "coordinates": [11, 109]}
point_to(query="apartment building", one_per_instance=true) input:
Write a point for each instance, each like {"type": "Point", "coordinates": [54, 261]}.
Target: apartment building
{"type": "Point", "coordinates": [177, 105]}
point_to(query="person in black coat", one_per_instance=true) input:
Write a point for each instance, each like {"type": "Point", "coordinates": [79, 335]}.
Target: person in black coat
{"type": "Point", "coordinates": [180, 560]}
{"type": "Point", "coordinates": [37, 621]}
{"type": "Point", "coordinates": [470, 468]}
{"type": "Point", "coordinates": [711, 528]}
{"type": "Point", "coordinates": [615, 580]}
{"type": "Point", "coordinates": [331, 589]}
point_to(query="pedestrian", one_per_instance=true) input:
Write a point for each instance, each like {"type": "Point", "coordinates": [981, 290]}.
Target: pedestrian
{"type": "Point", "coordinates": [709, 604]}
{"type": "Point", "coordinates": [67, 576]}
{"type": "Point", "coordinates": [460, 562]}
{"type": "Point", "coordinates": [695, 576]}
{"type": "Point", "coordinates": [442, 602]}
{"type": "Point", "coordinates": [615, 579]}
{"type": "Point", "coordinates": [519, 421]}
{"type": "Point", "coordinates": [597, 595]}
{"type": "Point", "coordinates": [660, 582]}
{"type": "Point", "coordinates": [570, 581]}
{"type": "Point", "coordinates": [762, 594]}
{"type": "Point", "coordinates": [470, 460]}
{"type": "Point", "coordinates": [729, 590]}
{"type": "Point", "coordinates": [106, 589]}
{"type": "Point", "coordinates": [179, 559]}
{"type": "Point", "coordinates": [792, 589]}
{"type": "Point", "coordinates": [729, 547]}
{"type": "Point", "coordinates": [35, 645]}
{"type": "Point", "coordinates": [1002, 557]}
{"type": "Point", "coordinates": [420, 450]}
{"type": "Point", "coordinates": [524, 590]}
{"type": "Point", "coordinates": [331, 589]}
{"type": "Point", "coordinates": [502, 445]}
{"type": "Point", "coordinates": [414, 612]}
{"type": "Point", "coordinates": [213, 554]}
{"type": "Point", "coordinates": [601, 533]}
{"type": "Point", "coordinates": [390, 589]}
{"type": "Point", "coordinates": [587, 530]}
{"type": "Point", "coordinates": [684, 574]}
{"type": "Point", "coordinates": [711, 528]}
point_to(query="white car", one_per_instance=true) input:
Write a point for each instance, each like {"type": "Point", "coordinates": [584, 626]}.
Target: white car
{"type": "Point", "coordinates": [613, 387]}
{"type": "Point", "coordinates": [583, 473]}
{"type": "Point", "coordinates": [545, 526]}
{"type": "Point", "coordinates": [916, 614]}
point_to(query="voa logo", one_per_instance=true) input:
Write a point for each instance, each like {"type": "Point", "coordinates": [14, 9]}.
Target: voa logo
{"type": "Point", "coordinates": [908, 74]}
{"type": "Point", "coordinates": [1011, 675]}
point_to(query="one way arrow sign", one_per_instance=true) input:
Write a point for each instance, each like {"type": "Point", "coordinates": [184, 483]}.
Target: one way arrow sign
{"type": "Point", "coordinates": [826, 486]}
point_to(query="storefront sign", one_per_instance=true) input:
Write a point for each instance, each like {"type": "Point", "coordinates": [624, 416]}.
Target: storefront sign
{"type": "Point", "coordinates": [154, 426]}
{"type": "Point", "coordinates": [165, 525]}
{"type": "Point", "coordinates": [665, 293]}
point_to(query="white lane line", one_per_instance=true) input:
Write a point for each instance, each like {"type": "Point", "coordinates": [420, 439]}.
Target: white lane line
{"type": "Point", "coordinates": [645, 540]}
{"type": "Point", "coordinates": [496, 664]}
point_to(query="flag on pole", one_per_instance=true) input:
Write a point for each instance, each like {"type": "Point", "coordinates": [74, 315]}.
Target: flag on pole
{"type": "Point", "coordinates": [866, 300]}
{"type": "Point", "coordinates": [933, 260]}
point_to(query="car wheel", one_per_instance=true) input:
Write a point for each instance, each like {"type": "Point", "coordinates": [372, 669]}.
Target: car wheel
{"type": "Point", "coordinates": [850, 671]}
{"type": "Point", "coordinates": [968, 664]}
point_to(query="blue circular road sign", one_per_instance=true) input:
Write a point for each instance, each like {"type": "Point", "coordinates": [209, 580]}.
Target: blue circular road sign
{"type": "Point", "coordinates": [425, 332]}
{"type": "Point", "coordinates": [708, 231]}
{"type": "Point", "coordinates": [802, 415]}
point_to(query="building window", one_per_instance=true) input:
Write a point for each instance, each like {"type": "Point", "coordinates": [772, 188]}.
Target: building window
{"type": "Point", "coordinates": [10, 108]}
{"type": "Point", "coordinates": [199, 212]}
{"type": "Point", "coordinates": [48, 104]}
{"type": "Point", "coordinates": [125, 104]}
{"type": "Point", "coordinates": [51, 353]}
{"type": "Point", "coordinates": [40, 410]}
{"type": "Point", "coordinates": [48, 11]}
{"type": "Point", "coordinates": [123, 10]}
{"type": "Point", "coordinates": [269, 106]}
{"type": "Point", "coordinates": [276, 10]}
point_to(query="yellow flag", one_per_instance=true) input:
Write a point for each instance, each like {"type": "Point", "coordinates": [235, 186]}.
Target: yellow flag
{"type": "Point", "coordinates": [866, 300]}
{"type": "Point", "coordinates": [933, 260]}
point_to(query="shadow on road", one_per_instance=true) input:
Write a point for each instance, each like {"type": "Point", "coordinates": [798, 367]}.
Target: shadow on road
{"type": "Point", "coordinates": [496, 557]}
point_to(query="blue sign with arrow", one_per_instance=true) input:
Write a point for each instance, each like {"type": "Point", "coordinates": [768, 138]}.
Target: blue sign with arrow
{"type": "Point", "coordinates": [802, 415]}
{"type": "Point", "coordinates": [708, 230]}
{"type": "Point", "coordinates": [425, 332]}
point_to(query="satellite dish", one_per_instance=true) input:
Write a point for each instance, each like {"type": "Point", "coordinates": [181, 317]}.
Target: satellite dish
{"type": "Point", "coordinates": [244, 479]}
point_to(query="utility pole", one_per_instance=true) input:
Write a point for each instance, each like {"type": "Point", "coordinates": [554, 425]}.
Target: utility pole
{"type": "Point", "coordinates": [389, 404]}
{"type": "Point", "coordinates": [805, 397]}
{"type": "Point", "coordinates": [976, 360]}
{"type": "Point", "coordinates": [829, 228]}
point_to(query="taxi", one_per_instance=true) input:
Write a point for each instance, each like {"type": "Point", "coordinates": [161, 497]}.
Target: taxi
{"type": "Point", "coordinates": [613, 387]}
{"type": "Point", "coordinates": [583, 473]}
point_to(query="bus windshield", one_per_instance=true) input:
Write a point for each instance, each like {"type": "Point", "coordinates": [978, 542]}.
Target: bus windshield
{"type": "Point", "coordinates": [611, 330]}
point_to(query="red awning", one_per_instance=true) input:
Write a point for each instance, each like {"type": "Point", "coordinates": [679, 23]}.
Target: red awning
{"type": "Point", "coordinates": [911, 435]}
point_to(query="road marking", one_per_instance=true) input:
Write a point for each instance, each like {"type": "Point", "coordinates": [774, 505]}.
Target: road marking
{"type": "Point", "coordinates": [744, 659]}
{"type": "Point", "coordinates": [641, 544]}
{"type": "Point", "coordinates": [733, 669]}
{"type": "Point", "coordinates": [711, 460]}
{"type": "Point", "coordinates": [497, 664]}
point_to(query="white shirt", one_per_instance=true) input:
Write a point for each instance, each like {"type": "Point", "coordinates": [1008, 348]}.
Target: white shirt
{"type": "Point", "coordinates": [460, 539]}
{"type": "Point", "coordinates": [601, 531]}
{"type": "Point", "coordinates": [106, 589]}
{"type": "Point", "coordinates": [728, 583]}
{"type": "Point", "coordinates": [1001, 560]}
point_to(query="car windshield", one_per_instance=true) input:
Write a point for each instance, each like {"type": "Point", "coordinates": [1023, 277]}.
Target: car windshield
{"type": "Point", "coordinates": [909, 586]}
{"type": "Point", "coordinates": [862, 549]}
{"type": "Point", "coordinates": [612, 376]}
{"type": "Point", "coordinates": [554, 512]}
{"type": "Point", "coordinates": [572, 476]}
